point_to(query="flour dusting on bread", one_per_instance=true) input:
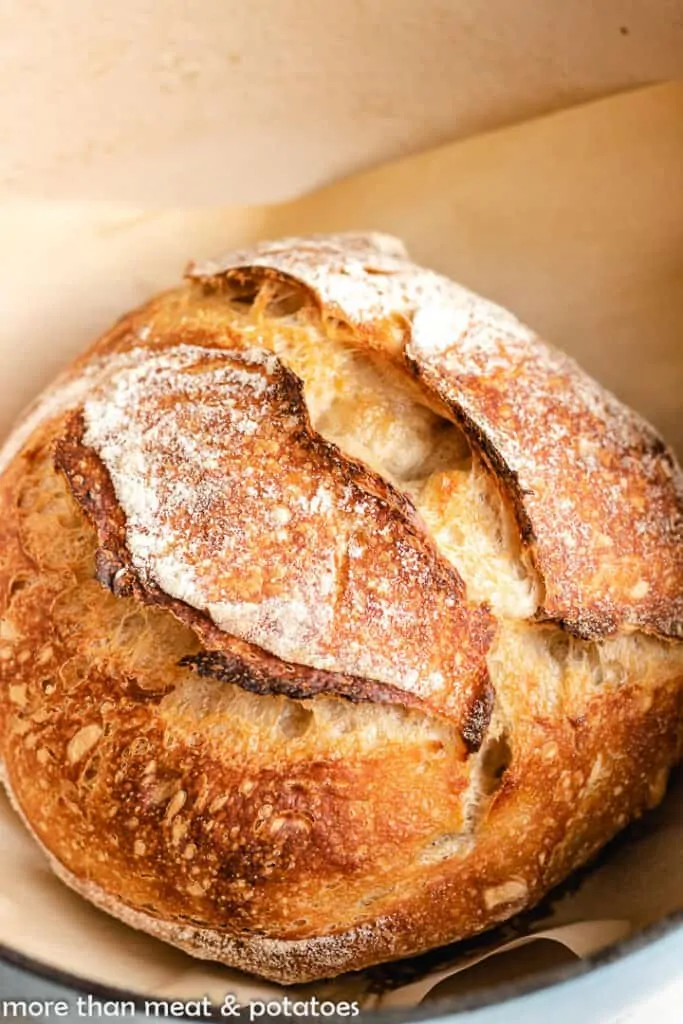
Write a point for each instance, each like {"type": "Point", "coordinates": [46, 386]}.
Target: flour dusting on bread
{"type": "Point", "coordinates": [219, 477]}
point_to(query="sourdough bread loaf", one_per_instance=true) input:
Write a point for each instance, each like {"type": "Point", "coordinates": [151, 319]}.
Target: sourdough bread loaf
{"type": "Point", "coordinates": [340, 615]}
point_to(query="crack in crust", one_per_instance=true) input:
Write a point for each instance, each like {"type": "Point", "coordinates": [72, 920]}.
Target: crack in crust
{"type": "Point", "coordinates": [598, 496]}
{"type": "Point", "coordinates": [393, 627]}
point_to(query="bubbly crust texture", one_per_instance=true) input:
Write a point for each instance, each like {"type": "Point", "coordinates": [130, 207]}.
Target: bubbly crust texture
{"type": "Point", "coordinates": [340, 615]}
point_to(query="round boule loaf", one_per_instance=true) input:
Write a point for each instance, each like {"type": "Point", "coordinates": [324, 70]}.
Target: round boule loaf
{"type": "Point", "coordinates": [340, 615]}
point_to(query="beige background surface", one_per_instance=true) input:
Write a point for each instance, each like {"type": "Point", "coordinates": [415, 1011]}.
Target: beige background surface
{"type": "Point", "coordinates": [232, 101]}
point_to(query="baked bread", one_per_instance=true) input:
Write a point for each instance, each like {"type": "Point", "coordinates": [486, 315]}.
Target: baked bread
{"type": "Point", "coordinates": [341, 616]}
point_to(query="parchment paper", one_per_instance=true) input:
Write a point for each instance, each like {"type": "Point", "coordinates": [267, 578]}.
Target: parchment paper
{"type": "Point", "coordinates": [574, 221]}
{"type": "Point", "coordinates": [155, 102]}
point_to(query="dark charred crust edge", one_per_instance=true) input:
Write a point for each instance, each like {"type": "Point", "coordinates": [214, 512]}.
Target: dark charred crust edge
{"type": "Point", "coordinates": [479, 716]}
{"type": "Point", "coordinates": [229, 668]}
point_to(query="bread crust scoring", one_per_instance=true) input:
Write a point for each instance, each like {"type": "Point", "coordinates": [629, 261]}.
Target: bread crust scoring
{"type": "Point", "coordinates": [353, 597]}
{"type": "Point", "coordinates": [579, 467]}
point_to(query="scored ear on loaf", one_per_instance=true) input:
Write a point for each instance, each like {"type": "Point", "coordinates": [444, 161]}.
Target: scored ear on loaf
{"type": "Point", "coordinates": [326, 587]}
{"type": "Point", "coordinates": [306, 555]}
{"type": "Point", "coordinates": [576, 465]}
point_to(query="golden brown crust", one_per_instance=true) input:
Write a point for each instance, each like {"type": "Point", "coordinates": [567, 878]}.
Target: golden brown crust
{"type": "Point", "coordinates": [291, 837]}
{"type": "Point", "coordinates": [280, 863]}
{"type": "Point", "coordinates": [567, 797]}
{"type": "Point", "coordinates": [597, 494]}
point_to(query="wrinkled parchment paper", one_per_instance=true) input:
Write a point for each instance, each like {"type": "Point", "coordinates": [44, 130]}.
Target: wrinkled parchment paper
{"type": "Point", "coordinates": [575, 222]}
